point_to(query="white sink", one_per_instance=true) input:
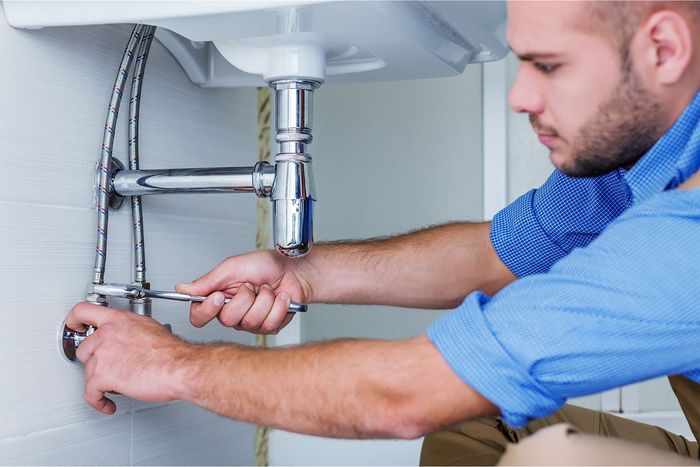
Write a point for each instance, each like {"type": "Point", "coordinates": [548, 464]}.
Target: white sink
{"type": "Point", "coordinates": [332, 41]}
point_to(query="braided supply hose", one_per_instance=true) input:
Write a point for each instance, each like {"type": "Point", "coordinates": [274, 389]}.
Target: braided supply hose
{"type": "Point", "coordinates": [104, 181]}
{"type": "Point", "coordinates": [134, 109]}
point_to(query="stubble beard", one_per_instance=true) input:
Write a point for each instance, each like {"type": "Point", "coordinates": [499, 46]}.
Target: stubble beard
{"type": "Point", "coordinates": [623, 129]}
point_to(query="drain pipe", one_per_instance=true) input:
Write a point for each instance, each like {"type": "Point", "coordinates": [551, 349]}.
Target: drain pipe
{"type": "Point", "coordinates": [289, 183]}
{"type": "Point", "coordinates": [294, 193]}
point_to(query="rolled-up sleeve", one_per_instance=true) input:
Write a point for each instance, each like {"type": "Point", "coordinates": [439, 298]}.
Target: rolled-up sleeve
{"type": "Point", "coordinates": [546, 224]}
{"type": "Point", "coordinates": [619, 311]}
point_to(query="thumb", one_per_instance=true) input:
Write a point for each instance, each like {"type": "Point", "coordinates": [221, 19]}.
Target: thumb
{"type": "Point", "coordinates": [219, 278]}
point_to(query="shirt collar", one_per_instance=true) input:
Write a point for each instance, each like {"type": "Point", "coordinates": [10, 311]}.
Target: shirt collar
{"type": "Point", "coordinates": [671, 160]}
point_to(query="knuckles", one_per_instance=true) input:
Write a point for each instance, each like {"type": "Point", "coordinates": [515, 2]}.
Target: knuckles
{"type": "Point", "coordinates": [250, 323]}
{"type": "Point", "coordinates": [209, 312]}
{"type": "Point", "coordinates": [271, 328]}
{"type": "Point", "coordinates": [229, 318]}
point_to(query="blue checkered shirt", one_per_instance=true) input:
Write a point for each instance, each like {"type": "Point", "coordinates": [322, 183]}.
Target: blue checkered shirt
{"type": "Point", "coordinates": [608, 270]}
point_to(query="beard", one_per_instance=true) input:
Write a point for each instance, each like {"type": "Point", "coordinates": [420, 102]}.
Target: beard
{"type": "Point", "coordinates": [621, 131]}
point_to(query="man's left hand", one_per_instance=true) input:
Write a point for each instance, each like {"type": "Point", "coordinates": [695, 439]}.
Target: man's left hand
{"type": "Point", "coordinates": [127, 354]}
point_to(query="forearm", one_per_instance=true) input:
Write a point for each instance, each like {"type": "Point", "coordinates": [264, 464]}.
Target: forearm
{"type": "Point", "coordinates": [431, 268]}
{"type": "Point", "coordinates": [348, 389]}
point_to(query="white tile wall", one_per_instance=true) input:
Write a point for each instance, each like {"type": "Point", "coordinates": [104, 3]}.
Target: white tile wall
{"type": "Point", "coordinates": [54, 88]}
{"type": "Point", "coordinates": [190, 435]}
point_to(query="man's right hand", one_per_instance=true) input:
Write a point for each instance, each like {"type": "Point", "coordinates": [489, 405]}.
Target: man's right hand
{"type": "Point", "coordinates": [260, 285]}
{"type": "Point", "coordinates": [431, 268]}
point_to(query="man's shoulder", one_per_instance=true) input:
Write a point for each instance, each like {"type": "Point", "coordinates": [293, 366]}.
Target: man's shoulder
{"type": "Point", "coordinates": [654, 237]}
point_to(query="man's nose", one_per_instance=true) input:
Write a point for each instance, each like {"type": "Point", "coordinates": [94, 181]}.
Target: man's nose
{"type": "Point", "coordinates": [524, 96]}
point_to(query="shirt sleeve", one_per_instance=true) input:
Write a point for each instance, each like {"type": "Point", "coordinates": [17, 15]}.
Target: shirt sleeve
{"type": "Point", "coordinates": [546, 224]}
{"type": "Point", "coordinates": [620, 311]}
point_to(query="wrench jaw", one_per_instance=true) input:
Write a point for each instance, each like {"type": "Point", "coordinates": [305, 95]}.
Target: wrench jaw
{"type": "Point", "coordinates": [115, 290]}
{"type": "Point", "coordinates": [142, 305]}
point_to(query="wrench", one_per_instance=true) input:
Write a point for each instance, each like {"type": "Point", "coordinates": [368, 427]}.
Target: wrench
{"type": "Point", "coordinates": [134, 291]}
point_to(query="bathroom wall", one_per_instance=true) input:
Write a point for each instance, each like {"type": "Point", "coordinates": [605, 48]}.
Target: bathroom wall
{"type": "Point", "coordinates": [54, 89]}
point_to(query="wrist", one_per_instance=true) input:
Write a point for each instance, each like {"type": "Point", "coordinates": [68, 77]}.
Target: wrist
{"type": "Point", "coordinates": [333, 275]}
{"type": "Point", "coordinates": [189, 365]}
{"type": "Point", "coordinates": [305, 270]}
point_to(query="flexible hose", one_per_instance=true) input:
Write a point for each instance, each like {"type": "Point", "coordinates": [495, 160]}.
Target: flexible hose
{"type": "Point", "coordinates": [104, 173]}
{"type": "Point", "coordinates": [134, 107]}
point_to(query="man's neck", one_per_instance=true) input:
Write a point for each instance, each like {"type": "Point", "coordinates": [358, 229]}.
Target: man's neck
{"type": "Point", "coordinates": [692, 182]}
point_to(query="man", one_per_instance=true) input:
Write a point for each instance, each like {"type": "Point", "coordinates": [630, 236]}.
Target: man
{"type": "Point", "coordinates": [605, 254]}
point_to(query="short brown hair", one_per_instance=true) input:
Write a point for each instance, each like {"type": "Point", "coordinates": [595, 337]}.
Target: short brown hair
{"type": "Point", "coordinates": [620, 20]}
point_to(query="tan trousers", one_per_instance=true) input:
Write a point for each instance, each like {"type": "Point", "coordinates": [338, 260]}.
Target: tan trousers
{"type": "Point", "coordinates": [572, 436]}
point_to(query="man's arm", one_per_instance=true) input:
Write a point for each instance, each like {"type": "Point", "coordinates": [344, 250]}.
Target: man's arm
{"type": "Point", "coordinates": [431, 268]}
{"type": "Point", "coordinates": [348, 389]}
{"type": "Point", "coordinates": [344, 389]}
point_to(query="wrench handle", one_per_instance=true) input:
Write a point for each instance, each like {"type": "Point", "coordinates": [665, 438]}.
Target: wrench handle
{"type": "Point", "coordinates": [293, 306]}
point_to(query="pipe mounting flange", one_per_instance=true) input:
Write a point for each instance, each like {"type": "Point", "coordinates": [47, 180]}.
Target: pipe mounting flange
{"type": "Point", "coordinates": [116, 201]}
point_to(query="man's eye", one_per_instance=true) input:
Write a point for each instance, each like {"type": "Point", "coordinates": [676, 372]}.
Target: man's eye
{"type": "Point", "coordinates": [545, 67]}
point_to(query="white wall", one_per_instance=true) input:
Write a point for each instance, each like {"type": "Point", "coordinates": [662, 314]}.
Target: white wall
{"type": "Point", "coordinates": [54, 88]}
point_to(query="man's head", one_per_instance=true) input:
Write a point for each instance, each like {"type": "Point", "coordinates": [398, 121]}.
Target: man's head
{"type": "Point", "coordinates": [602, 81]}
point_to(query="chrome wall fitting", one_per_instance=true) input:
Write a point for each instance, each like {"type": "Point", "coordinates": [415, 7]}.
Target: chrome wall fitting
{"type": "Point", "coordinates": [70, 340]}
{"type": "Point", "coordinates": [115, 200]}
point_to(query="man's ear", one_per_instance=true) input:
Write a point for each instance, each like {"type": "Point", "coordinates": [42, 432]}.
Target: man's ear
{"type": "Point", "coordinates": [665, 45]}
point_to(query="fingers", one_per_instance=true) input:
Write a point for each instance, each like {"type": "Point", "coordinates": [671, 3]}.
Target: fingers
{"type": "Point", "coordinates": [95, 396]}
{"type": "Point", "coordinates": [287, 319]}
{"type": "Point", "coordinates": [235, 310]}
{"type": "Point", "coordinates": [217, 279]}
{"type": "Point", "coordinates": [89, 369]}
{"type": "Point", "coordinates": [276, 318]}
{"type": "Point", "coordinates": [94, 392]}
{"type": "Point", "coordinates": [253, 317]}
{"type": "Point", "coordinates": [246, 311]}
{"type": "Point", "coordinates": [86, 314]}
{"type": "Point", "coordinates": [88, 346]}
{"type": "Point", "coordinates": [202, 313]}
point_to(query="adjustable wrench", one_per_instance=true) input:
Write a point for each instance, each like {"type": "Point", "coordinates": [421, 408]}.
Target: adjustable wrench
{"type": "Point", "coordinates": [134, 291]}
